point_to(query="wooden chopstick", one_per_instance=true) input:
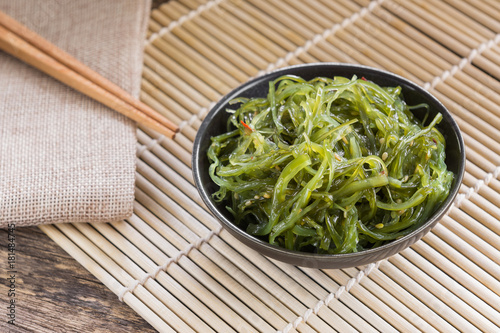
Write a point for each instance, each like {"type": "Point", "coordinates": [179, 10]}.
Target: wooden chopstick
{"type": "Point", "coordinates": [26, 45]}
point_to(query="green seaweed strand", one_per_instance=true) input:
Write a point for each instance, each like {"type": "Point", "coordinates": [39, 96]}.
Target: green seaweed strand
{"type": "Point", "coordinates": [330, 165]}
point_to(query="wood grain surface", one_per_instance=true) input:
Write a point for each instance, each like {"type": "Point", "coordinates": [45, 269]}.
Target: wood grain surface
{"type": "Point", "coordinates": [54, 293]}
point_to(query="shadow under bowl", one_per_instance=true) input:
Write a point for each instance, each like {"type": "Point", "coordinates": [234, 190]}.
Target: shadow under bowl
{"type": "Point", "coordinates": [215, 123]}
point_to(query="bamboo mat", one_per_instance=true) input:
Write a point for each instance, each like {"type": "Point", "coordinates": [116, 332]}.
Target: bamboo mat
{"type": "Point", "coordinates": [172, 263]}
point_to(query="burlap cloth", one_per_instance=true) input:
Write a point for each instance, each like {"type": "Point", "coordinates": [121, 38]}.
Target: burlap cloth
{"type": "Point", "coordinates": [63, 156]}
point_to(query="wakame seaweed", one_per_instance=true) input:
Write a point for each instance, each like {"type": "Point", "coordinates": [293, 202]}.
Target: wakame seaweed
{"type": "Point", "coordinates": [330, 165]}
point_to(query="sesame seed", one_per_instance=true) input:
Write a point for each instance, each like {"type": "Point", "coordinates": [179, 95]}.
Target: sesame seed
{"type": "Point", "coordinates": [248, 203]}
{"type": "Point", "coordinates": [384, 156]}
{"type": "Point", "coordinates": [266, 195]}
{"type": "Point", "coordinates": [379, 226]}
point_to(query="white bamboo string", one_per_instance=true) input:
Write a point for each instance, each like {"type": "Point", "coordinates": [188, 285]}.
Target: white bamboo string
{"type": "Point", "coordinates": [192, 59]}
{"type": "Point", "coordinates": [339, 308]}
{"type": "Point", "coordinates": [357, 322]}
{"type": "Point", "coordinates": [188, 16]}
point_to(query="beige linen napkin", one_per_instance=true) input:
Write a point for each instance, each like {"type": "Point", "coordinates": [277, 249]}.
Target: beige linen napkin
{"type": "Point", "coordinates": [63, 156]}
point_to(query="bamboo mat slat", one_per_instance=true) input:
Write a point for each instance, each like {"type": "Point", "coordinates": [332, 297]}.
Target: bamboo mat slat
{"type": "Point", "coordinates": [174, 264]}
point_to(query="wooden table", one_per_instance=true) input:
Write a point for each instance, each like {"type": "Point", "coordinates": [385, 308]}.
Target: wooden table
{"type": "Point", "coordinates": [54, 293]}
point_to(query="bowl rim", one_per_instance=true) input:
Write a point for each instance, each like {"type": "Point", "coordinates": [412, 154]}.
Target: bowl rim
{"type": "Point", "coordinates": [298, 255]}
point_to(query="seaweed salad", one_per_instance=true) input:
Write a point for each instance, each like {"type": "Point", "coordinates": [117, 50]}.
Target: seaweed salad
{"type": "Point", "coordinates": [330, 165]}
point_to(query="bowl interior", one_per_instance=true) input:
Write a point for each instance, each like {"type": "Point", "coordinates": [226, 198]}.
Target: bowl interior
{"type": "Point", "coordinates": [216, 123]}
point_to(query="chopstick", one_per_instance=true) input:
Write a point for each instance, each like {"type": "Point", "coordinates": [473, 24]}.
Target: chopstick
{"type": "Point", "coordinates": [28, 46]}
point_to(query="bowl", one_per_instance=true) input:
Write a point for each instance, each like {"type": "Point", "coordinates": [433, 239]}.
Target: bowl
{"type": "Point", "coordinates": [215, 123]}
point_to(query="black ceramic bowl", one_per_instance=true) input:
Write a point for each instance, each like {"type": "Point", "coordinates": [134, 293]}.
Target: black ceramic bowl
{"type": "Point", "coordinates": [215, 123]}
